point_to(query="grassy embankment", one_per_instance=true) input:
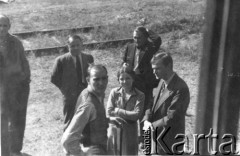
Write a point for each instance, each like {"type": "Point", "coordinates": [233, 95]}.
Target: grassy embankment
{"type": "Point", "coordinates": [179, 21]}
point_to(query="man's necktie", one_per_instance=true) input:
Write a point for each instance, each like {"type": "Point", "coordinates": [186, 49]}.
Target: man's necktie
{"type": "Point", "coordinates": [136, 60]}
{"type": "Point", "coordinates": [79, 69]}
{"type": "Point", "coordinates": [160, 93]}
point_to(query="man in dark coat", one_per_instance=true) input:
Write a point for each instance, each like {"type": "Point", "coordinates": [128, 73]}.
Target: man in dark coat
{"type": "Point", "coordinates": [138, 55]}
{"type": "Point", "coordinates": [69, 75]}
{"type": "Point", "coordinates": [171, 100]}
{"type": "Point", "coordinates": [14, 90]}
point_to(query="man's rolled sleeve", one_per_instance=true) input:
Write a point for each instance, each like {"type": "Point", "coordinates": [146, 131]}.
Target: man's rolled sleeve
{"type": "Point", "coordinates": [110, 105]}
{"type": "Point", "coordinates": [72, 135]}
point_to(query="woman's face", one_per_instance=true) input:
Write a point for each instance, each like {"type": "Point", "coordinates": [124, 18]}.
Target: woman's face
{"type": "Point", "coordinates": [125, 81]}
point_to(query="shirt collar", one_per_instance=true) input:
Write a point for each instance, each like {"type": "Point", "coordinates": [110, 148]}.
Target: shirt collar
{"type": "Point", "coordinates": [133, 91]}
{"type": "Point", "coordinates": [100, 97]}
{"type": "Point", "coordinates": [79, 55]}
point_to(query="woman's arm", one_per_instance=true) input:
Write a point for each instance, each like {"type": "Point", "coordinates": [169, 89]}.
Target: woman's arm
{"type": "Point", "coordinates": [135, 113]}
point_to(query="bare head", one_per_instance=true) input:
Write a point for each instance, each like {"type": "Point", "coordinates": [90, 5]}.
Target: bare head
{"type": "Point", "coordinates": [4, 25]}
{"type": "Point", "coordinates": [97, 78]}
{"type": "Point", "coordinates": [126, 77]}
{"type": "Point", "coordinates": [140, 36]}
{"type": "Point", "coordinates": [162, 65]}
{"type": "Point", "coordinates": [75, 44]}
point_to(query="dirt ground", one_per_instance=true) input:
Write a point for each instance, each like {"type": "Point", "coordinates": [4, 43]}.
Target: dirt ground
{"type": "Point", "coordinates": [44, 116]}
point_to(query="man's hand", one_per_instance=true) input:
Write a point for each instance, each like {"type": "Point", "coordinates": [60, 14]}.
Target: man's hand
{"type": "Point", "coordinates": [147, 125]}
{"type": "Point", "coordinates": [152, 35]}
{"type": "Point", "coordinates": [117, 121]}
{"type": "Point", "coordinates": [116, 111]}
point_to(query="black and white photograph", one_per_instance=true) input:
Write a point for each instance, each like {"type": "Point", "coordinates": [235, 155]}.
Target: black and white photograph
{"type": "Point", "coordinates": [119, 77]}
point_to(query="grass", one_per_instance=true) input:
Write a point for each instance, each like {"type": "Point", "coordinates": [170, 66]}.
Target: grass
{"type": "Point", "coordinates": [121, 17]}
{"type": "Point", "coordinates": [179, 23]}
{"type": "Point", "coordinates": [44, 116]}
{"type": "Point", "coordinates": [44, 131]}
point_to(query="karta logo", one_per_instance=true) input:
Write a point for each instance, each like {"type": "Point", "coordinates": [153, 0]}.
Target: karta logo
{"type": "Point", "coordinates": [227, 147]}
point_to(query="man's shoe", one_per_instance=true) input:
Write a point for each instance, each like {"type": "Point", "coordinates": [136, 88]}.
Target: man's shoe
{"type": "Point", "coordinates": [19, 154]}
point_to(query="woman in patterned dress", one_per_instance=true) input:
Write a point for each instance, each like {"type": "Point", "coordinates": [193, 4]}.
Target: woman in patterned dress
{"type": "Point", "coordinates": [127, 103]}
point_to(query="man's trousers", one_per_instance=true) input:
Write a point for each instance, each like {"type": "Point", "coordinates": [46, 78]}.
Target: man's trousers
{"type": "Point", "coordinates": [13, 117]}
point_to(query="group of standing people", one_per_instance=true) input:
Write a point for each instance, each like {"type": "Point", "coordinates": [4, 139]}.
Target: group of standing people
{"type": "Point", "coordinates": [150, 96]}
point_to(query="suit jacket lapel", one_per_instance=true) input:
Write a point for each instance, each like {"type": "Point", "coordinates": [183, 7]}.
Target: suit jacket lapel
{"type": "Point", "coordinates": [163, 98]}
{"type": "Point", "coordinates": [84, 67]}
{"type": "Point", "coordinates": [83, 62]}
{"type": "Point", "coordinates": [71, 61]}
{"type": "Point", "coordinates": [131, 54]}
{"type": "Point", "coordinates": [166, 94]}
{"type": "Point", "coordinates": [144, 52]}
{"type": "Point", "coordinates": [157, 94]}
{"type": "Point", "coordinates": [141, 54]}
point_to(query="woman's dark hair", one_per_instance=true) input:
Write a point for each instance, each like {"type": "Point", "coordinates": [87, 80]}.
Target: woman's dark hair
{"type": "Point", "coordinates": [143, 30]}
{"type": "Point", "coordinates": [125, 68]}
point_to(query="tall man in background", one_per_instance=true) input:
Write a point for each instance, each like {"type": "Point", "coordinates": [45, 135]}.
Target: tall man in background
{"type": "Point", "coordinates": [138, 55]}
{"type": "Point", "coordinates": [14, 87]}
{"type": "Point", "coordinates": [69, 75]}
{"type": "Point", "coordinates": [171, 100]}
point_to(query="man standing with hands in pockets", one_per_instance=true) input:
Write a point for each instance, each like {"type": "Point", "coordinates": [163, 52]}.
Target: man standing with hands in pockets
{"type": "Point", "coordinates": [69, 75]}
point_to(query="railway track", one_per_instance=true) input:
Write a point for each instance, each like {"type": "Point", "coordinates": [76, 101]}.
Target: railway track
{"type": "Point", "coordinates": [52, 32]}
{"type": "Point", "coordinates": [95, 45]}
{"type": "Point", "coordinates": [62, 49]}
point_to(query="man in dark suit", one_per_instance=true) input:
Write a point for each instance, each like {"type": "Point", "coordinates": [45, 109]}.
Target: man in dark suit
{"type": "Point", "coordinates": [69, 75]}
{"type": "Point", "coordinates": [171, 100]}
{"type": "Point", "coordinates": [14, 90]}
{"type": "Point", "coordinates": [138, 55]}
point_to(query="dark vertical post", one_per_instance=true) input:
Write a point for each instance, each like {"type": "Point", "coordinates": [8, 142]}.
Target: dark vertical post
{"type": "Point", "coordinates": [219, 90]}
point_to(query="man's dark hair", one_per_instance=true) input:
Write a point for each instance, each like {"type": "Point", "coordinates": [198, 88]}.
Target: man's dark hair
{"type": "Point", "coordinates": [166, 59]}
{"type": "Point", "coordinates": [74, 37]}
{"type": "Point", "coordinates": [143, 30]}
{"type": "Point", "coordinates": [5, 17]}
{"type": "Point", "coordinates": [93, 66]}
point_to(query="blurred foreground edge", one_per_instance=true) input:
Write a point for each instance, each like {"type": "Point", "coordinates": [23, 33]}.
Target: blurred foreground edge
{"type": "Point", "coordinates": [219, 88]}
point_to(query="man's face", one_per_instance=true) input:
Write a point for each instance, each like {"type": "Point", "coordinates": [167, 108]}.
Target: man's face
{"type": "Point", "coordinates": [139, 38]}
{"type": "Point", "coordinates": [4, 26]}
{"type": "Point", "coordinates": [160, 70]}
{"type": "Point", "coordinates": [98, 80]}
{"type": "Point", "coordinates": [75, 46]}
